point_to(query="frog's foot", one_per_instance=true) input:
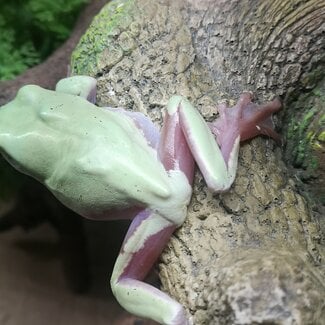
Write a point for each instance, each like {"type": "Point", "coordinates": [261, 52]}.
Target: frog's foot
{"type": "Point", "coordinates": [82, 86]}
{"type": "Point", "coordinates": [245, 119]}
{"type": "Point", "coordinates": [160, 307]}
{"type": "Point", "coordinates": [143, 244]}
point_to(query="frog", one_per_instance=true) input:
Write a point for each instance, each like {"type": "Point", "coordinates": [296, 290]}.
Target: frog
{"type": "Point", "coordinates": [109, 163]}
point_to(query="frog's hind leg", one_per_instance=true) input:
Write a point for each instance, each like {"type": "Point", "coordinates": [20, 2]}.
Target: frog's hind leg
{"type": "Point", "coordinates": [246, 119]}
{"type": "Point", "coordinates": [147, 236]}
{"type": "Point", "coordinates": [143, 244]}
{"type": "Point", "coordinates": [203, 146]}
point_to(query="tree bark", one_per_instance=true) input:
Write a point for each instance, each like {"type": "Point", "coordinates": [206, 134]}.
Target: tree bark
{"type": "Point", "coordinates": [252, 255]}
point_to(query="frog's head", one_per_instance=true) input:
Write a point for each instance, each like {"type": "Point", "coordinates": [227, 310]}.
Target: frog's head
{"type": "Point", "coordinates": [24, 108]}
{"type": "Point", "coordinates": [25, 138]}
{"type": "Point", "coordinates": [33, 102]}
{"type": "Point", "coordinates": [36, 126]}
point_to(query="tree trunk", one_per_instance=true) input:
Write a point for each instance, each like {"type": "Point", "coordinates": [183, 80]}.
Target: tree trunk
{"type": "Point", "coordinates": [252, 255]}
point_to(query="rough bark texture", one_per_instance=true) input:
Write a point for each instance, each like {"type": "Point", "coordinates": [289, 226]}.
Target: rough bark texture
{"type": "Point", "coordinates": [252, 255]}
{"type": "Point", "coordinates": [305, 145]}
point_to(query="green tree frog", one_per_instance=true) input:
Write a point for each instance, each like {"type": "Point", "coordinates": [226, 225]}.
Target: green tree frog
{"type": "Point", "coordinates": [107, 163]}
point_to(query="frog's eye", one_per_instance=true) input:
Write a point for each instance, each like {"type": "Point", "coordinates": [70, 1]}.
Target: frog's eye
{"type": "Point", "coordinates": [29, 94]}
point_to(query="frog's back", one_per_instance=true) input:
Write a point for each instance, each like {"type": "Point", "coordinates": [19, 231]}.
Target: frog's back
{"type": "Point", "coordinates": [109, 164]}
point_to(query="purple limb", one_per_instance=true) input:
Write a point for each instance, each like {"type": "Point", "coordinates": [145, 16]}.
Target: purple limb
{"type": "Point", "coordinates": [145, 240]}
{"type": "Point", "coordinates": [143, 123]}
{"type": "Point", "coordinates": [246, 119]}
{"type": "Point", "coordinates": [147, 236]}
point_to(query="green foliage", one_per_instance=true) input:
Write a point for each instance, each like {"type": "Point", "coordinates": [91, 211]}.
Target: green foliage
{"type": "Point", "coordinates": [31, 29]}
